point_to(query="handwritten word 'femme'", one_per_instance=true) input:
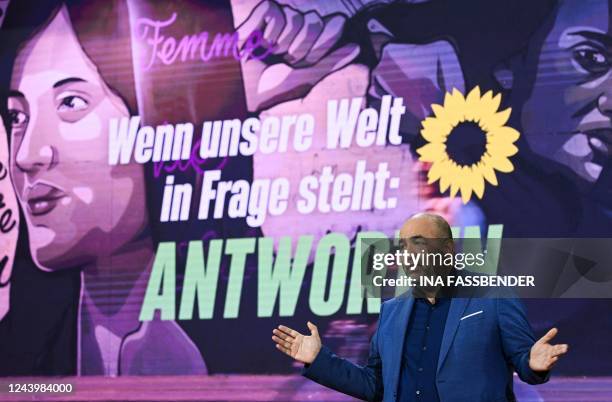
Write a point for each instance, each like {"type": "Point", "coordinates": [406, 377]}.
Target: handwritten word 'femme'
{"type": "Point", "coordinates": [168, 49]}
{"type": "Point", "coordinates": [347, 123]}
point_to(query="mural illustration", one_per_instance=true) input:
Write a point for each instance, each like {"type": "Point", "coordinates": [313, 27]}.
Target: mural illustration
{"type": "Point", "coordinates": [176, 175]}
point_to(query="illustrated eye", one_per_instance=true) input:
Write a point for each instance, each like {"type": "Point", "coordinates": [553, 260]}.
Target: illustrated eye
{"type": "Point", "coordinates": [72, 103]}
{"type": "Point", "coordinates": [18, 119]}
{"type": "Point", "coordinates": [591, 60]}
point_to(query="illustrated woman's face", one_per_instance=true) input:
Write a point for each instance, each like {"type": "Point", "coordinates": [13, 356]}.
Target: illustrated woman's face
{"type": "Point", "coordinates": [77, 207]}
{"type": "Point", "coordinates": [568, 116]}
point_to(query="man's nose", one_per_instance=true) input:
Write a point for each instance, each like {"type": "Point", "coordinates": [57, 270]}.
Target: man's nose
{"type": "Point", "coordinates": [35, 153]}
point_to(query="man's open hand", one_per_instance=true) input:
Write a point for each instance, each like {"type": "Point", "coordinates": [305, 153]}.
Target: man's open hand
{"type": "Point", "coordinates": [543, 355]}
{"type": "Point", "coordinates": [302, 348]}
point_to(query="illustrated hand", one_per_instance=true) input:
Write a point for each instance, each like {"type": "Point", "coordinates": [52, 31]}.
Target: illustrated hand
{"type": "Point", "coordinates": [303, 348]}
{"type": "Point", "coordinates": [543, 355]}
{"type": "Point", "coordinates": [302, 48]}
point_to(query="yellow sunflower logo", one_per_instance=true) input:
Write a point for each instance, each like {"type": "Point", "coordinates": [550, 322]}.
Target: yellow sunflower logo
{"type": "Point", "coordinates": [467, 142]}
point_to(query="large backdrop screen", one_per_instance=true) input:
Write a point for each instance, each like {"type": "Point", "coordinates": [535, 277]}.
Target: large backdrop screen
{"type": "Point", "coordinates": [179, 177]}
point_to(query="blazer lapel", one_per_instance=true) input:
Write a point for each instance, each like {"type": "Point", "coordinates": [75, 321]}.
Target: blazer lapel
{"type": "Point", "coordinates": [398, 335]}
{"type": "Point", "coordinates": [455, 312]}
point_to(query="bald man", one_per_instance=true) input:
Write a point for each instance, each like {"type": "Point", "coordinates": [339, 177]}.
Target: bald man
{"type": "Point", "coordinates": [429, 347]}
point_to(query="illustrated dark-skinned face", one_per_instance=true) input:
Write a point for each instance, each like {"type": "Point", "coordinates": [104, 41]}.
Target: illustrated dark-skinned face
{"type": "Point", "coordinates": [567, 118]}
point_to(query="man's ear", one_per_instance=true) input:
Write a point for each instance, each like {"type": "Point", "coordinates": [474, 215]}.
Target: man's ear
{"type": "Point", "coordinates": [449, 246]}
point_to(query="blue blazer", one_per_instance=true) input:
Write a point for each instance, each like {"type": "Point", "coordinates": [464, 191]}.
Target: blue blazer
{"type": "Point", "coordinates": [485, 340]}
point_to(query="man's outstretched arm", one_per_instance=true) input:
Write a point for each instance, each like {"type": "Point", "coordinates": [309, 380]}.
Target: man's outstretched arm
{"type": "Point", "coordinates": [532, 359]}
{"type": "Point", "coordinates": [330, 370]}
